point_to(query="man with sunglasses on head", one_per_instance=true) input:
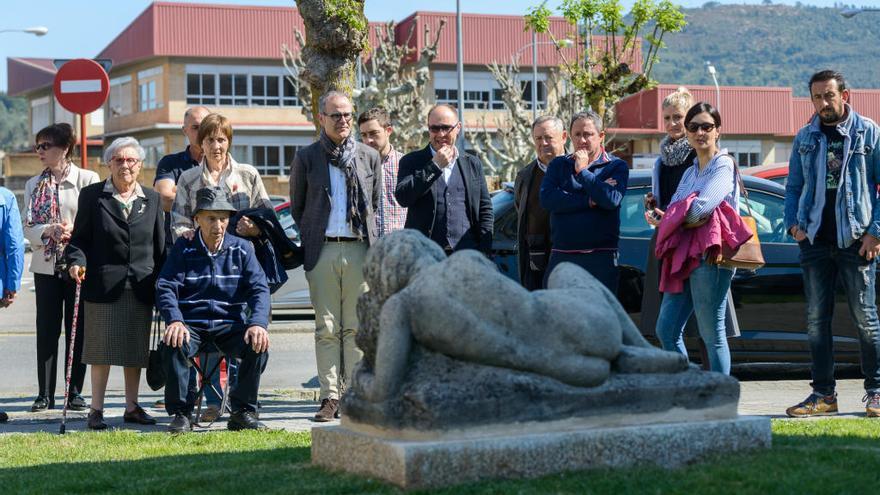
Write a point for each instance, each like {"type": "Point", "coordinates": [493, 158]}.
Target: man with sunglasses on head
{"type": "Point", "coordinates": [832, 210]}
{"type": "Point", "coordinates": [445, 193]}
{"type": "Point", "coordinates": [335, 189]}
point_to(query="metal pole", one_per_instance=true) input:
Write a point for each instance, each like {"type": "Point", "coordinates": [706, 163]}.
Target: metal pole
{"type": "Point", "coordinates": [460, 53]}
{"type": "Point", "coordinates": [534, 76]}
{"type": "Point", "coordinates": [82, 146]}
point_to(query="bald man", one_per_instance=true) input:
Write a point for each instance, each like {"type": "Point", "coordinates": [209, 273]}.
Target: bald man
{"type": "Point", "coordinates": [445, 192]}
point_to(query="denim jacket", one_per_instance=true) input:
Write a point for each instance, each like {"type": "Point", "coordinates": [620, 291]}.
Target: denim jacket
{"type": "Point", "coordinates": [858, 206]}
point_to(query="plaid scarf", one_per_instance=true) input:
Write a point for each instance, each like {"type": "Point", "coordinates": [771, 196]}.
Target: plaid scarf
{"type": "Point", "coordinates": [46, 210]}
{"type": "Point", "coordinates": [342, 157]}
{"type": "Point", "coordinates": [674, 153]}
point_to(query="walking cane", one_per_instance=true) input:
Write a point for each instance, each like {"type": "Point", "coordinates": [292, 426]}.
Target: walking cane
{"type": "Point", "coordinates": [70, 352]}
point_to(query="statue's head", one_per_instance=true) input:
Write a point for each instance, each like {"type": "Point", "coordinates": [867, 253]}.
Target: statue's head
{"type": "Point", "coordinates": [396, 258]}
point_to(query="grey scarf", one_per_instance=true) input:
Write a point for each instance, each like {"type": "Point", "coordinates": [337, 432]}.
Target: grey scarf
{"type": "Point", "coordinates": [342, 157]}
{"type": "Point", "coordinates": [674, 153]}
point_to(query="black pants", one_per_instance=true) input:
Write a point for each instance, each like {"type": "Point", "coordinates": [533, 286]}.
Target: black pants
{"type": "Point", "coordinates": [54, 302]}
{"type": "Point", "coordinates": [230, 340]}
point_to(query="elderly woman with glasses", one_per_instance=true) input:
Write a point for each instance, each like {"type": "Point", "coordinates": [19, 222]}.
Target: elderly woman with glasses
{"type": "Point", "coordinates": [241, 181]}
{"type": "Point", "coordinates": [116, 250]}
{"type": "Point", "coordinates": [50, 207]}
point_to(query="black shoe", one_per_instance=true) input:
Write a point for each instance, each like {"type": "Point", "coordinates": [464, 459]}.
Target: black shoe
{"type": "Point", "coordinates": [3, 417]}
{"type": "Point", "coordinates": [245, 420]}
{"type": "Point", "coordinates": [138, 416]}
{"type": "Point", "coordinates": [96, 420]}
{"type": "Point", "coordinates": [181, 423]}
{"type": "Point", "coordinates": [41, 403]}
{"type": "Point", "coordinates": [76, 403]}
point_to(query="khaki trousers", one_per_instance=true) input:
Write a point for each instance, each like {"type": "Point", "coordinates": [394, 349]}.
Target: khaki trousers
{"type": "Point", "coordinates": [335, 284]}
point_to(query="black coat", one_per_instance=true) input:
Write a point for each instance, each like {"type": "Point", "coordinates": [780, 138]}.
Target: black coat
{"type": "Point", "coordinates": [115, 249]}
{"type": "Point", "coordinates": [521, 187]}
{"type": "Point", "coordinates": [415, 180]}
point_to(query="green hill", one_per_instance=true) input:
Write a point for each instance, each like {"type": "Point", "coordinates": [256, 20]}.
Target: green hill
{"type": "Point", "coordinates": [771, 45]}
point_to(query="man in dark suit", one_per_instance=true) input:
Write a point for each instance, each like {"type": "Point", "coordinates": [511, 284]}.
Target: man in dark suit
{"type": "Point", "coordinates": [335, 188]}
{"type": "Point", "coordinates": [446, 193]}
{"type": "Point", "coordinates": [533, 226]}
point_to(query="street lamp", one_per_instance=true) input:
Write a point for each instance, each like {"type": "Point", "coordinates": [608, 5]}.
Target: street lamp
{"type": "Point", "coordinates": [460, 52]}
{"type": "Point", "coordinates": [711, 69]}
{"type": "Point", "coordinates": [851, 12]}
{"type": "Point", "coordinates": [563, 43]}
{"type": "Point", "coordinates": [36, 30]}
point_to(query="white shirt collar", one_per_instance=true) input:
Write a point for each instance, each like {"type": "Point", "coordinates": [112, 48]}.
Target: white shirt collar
{"type": "Point", "coordinates": [202, 240]}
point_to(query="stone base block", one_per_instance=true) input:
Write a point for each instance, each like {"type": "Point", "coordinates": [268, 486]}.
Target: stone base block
{"type": "Point", "coordinates": [417, 464]}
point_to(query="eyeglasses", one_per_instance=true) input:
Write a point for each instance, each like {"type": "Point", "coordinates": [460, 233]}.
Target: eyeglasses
{"type": "Point", "coordinates": [131, 162]}
{"type": "Point", "coordinates": [43, 146]}
{"type": "Point", "coordinates": [705, 126]}
{"type": "Point", "coordinates": [340, 116]}
{"type": "Point", "coordinates": [444, 129]}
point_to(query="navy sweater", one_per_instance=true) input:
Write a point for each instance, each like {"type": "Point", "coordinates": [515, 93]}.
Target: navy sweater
{"type": "Point", "coordinates": [584, 210]}
{"type": "Point", "coordinates": [195, 287]}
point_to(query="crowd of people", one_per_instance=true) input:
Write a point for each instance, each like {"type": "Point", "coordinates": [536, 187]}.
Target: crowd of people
{"type": "Point", "coordinates": [201, 248]}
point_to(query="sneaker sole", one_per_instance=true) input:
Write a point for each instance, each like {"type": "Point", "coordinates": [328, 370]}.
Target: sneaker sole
{"type": "Point", "coordinates": [872, 414]}
{"type": "Point", "coordinates": [811, 415]}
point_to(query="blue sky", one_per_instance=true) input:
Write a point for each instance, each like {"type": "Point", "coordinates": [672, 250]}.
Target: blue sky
{"type": "Point", "coordinates": [82, 29]}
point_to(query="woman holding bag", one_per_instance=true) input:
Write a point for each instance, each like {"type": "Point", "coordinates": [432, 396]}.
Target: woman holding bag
{"type": "Point", "coordinates": [702, 213]}
{"type": "Point", "coordinates": [50, 206]}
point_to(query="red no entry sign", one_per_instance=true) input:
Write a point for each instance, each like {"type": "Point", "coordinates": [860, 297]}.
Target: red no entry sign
{"type": "Point", "coordinates": [81, 86]}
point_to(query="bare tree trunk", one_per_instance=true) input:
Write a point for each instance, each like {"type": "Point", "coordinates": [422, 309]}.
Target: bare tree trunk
{"type": "Point", "coordinates": [336, 35]}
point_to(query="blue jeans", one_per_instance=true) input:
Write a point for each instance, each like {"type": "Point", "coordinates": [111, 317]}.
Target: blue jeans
{"type": "Point", "coordinates": [704, 294]}
{"type": "Point", "coordinates": [600, 264]}
{"type": "Point", "coordinates": [822, 264]}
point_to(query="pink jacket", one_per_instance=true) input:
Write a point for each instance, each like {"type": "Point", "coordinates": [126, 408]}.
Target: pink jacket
{"type": "Point", "coordinates": [682, 250]}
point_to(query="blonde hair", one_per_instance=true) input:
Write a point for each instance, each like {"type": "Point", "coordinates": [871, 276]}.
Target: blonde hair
{"type": "Point", "coordinates": [681, 99]}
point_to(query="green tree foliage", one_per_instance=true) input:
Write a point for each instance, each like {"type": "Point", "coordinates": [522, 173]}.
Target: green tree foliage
{"type": "Point", "coordinates": [13, 123]}
{"type": "Point", "coordinates": [602, 73]}
{"type": "Point", "coordinates": [772, 45]}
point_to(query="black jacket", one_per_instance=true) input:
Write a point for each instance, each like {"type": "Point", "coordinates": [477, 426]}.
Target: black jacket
{"type": "Point", "coordinates": [114, 249]}
{"type": "Point", "coordinates": [415, 191]}
{"type": "Point", "coordinates": [521, 187]}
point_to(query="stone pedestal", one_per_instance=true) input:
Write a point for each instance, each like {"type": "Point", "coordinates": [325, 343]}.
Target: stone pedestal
{"type": "Point", "coordinates": [417, 460]}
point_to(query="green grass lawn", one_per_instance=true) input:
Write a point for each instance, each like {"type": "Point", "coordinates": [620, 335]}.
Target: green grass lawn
{"type": "Point", "coordinates": [830, 456]}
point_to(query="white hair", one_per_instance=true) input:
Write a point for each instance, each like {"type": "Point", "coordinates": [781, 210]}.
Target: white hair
{"type": "Point", "coordinates": [124, 142]}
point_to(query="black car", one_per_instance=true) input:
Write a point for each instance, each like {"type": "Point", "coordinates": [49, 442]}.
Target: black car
{"type": "Point", "coordinates": [769, 302]}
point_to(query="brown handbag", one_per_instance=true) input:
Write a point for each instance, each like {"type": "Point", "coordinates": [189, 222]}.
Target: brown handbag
{"type": "Point", "coordinates": [749, 255]}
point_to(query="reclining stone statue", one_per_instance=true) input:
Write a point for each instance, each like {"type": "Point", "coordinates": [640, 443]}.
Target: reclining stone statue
{"type": "Point", "coordinates": [423, 307]}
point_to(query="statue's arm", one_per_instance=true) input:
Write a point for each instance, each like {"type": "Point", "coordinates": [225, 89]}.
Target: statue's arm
{"type": "Point", "coordinates": [392, 351]}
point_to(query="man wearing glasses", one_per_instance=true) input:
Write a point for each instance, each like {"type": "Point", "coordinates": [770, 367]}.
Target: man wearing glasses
{"type": "Point", "coordinates": [446, 193]}
{"type": "Point", "coordinates": [335, 188]}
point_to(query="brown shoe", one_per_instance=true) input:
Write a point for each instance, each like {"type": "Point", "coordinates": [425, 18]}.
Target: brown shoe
{"type": "Point", "coordinates": [872, 404]}
{"type": "Point", "coordinates": [328, 410]}
{"type": "Point", "coordinates": [814, 405]}
{"type": "Point", "coordinates": [138, 416]}
{"type": "Point", "coordinates": [210, 414]}
{"type": "Point", "coordinates": [96, 420]}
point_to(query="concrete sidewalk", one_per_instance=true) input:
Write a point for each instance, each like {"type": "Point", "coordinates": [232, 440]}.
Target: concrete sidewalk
{"type": "Point", "coordinates": [292, 410]}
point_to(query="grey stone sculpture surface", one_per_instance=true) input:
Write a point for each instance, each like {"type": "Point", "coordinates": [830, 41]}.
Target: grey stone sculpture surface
{"type": "Point", "coordinates": [451, 341]}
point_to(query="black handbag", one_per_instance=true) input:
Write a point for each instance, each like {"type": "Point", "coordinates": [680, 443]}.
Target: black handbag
{"type": "Point", "coordinates": [155, 368]}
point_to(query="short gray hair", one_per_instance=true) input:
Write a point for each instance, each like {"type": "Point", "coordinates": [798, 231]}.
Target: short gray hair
{"type": "Point", "coordinates": [322, 101]}
{"type": "Point", "coordinates": [587, 114]}
{"type": "Point", "coordinates": [557, 122]}
{"type": "Point", "coordinates": [124, 142]}
{"type": "Point", "coordinates": [189, 111]}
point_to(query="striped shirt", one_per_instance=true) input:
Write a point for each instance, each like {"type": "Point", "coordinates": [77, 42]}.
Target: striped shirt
{"type": "Point", "coordinates": [714, 184]}
{"type": "Point", "coordinates": [241, 181]}
{"type": "Point", "coordinates": [391, 216]}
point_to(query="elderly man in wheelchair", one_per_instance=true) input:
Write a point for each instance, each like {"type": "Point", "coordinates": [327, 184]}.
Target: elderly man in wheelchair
{"type": "Point", "coordinates": [212, 290]}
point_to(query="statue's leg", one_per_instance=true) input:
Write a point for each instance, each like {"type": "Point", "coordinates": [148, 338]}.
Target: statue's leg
{"type": "Point", "coordinates": [392, 351]}
{"type": "Point", "coordinates": [637, 359]}
{"type": "Point", "coordinates": [577, 370]}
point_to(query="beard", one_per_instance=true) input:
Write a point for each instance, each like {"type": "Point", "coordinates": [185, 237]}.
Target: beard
{"type": "Point", "coordinates": [830, 116]}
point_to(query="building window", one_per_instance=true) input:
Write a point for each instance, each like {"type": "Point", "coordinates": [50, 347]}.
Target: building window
{"type": "Point", "coordinates": [746, 152]}
{"type": "Point", "coordinates": [265, 91]}
{"type": "Point", "coordinates": [273, 160]}
{"type": "Point", "coordinates": [40, 111]}
{"type": "Point", "coordinates": [497, 99]}
{"type": "Point", "coordinates": [233, 89]}
{"type": "Point", "coordinates": [747, 159]}
{"type": "Point", "coordinates": [154, 149]}
{"type": "Point", "coordinates": [200, 89]}
{"type": "Point", "coordinates": [119, 101]}
{"type": "Point", "coordinates": [476, 99]}
{"type": "Point", "coordinates": [63, 115]}
{"type": "Point", "coordinates": [291, 98]}
{"type": "Point", "coordinates": [527, 94]}
{"type": "Point", "coordinates": [240, 153]}
{"type": "Point", "coordinates": [149, 83]}
{"type": "Point", "coordinates": [447, 96]}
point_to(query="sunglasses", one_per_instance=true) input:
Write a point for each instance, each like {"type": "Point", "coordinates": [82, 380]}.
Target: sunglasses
{"type": "Point", "coordinates": [706, 127]}
{"type": "Point", "coordinates": [43, 146]}
{"type": "Point", "coordinates": [445, 129]}
{"type": "Point", "coordinates": [126, 161]}
{"type": "Point", "coordinates": [340, 116]}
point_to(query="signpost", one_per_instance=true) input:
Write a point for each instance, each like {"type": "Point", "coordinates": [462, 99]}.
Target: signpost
{"type": "Point", "coordinates": [81, 86]}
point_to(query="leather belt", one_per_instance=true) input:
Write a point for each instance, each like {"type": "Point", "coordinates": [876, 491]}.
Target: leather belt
{"type": "Point", "coordinates": [341, 239]}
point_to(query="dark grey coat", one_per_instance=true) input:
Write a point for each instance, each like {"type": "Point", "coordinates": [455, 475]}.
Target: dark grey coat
{"type": "Point", "coordinates": [310, 195]}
